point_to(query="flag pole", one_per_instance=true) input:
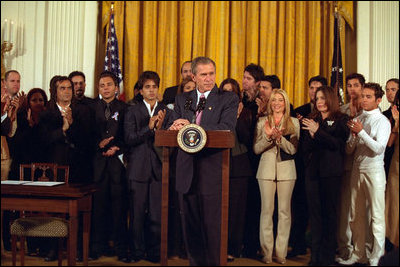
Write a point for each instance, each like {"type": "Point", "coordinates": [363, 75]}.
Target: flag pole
{"type": "Point", "coordinates": [109, 33]}
{"type": "Point", "coordinates": [337, 44]}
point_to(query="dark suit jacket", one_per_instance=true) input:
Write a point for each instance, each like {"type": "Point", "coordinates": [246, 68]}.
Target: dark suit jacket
{"type": "Point", "coordinates": [324, 154]}
{"type": "Point", "coordinates": [27, 146]}
{"type": "Point", "coordinates": [389, 150]}
{"type": "Point", "coordinates": [253, 107]}
{"type": "Point", "coordinates": [74, 147]}
{"type": "Point", "coordinates": [292, 114]}
{"type": "Point", "coordinates": [169, 95]}
{"type": "Point", "coordinates": [388, 114]}
{"type": "Point", "coordinates": [303, 110]}
{"type": "Point", "coordinates": [106, 128]}
{"type": "Point", "coordinates": [85, 101]}
{"type": "Point", "coordinates": [142, 159]}
{"type": "Point", "coordinates": [240, 165]}
{"type": "Point", "coordinates": [202, 170]}
{"type": "Point", "coordinates": [6, 126]}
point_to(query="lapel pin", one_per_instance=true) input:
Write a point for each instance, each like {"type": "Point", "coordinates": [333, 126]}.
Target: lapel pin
{"type": "Point", "coordinates": [210, 108]}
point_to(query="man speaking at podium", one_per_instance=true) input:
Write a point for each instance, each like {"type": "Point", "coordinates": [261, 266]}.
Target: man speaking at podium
{"type": "Point", "coordinates": [199, 175]}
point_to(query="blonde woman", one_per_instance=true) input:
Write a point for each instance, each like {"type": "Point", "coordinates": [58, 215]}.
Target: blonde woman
{"type": "Point", "coordinates": [276, 139]}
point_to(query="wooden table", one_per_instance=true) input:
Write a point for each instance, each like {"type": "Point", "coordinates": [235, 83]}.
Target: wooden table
{"type": "Point", "coordinates": [70, 199]}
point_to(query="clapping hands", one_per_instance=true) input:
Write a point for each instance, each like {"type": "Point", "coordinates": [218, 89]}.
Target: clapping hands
{"type": "Point", "coordinates": [15, 103]}
{"type": "Point", "coordinates": [273, 132]}
{"type": "Point", "coordinates": [355, 126]}
{"type": "Point", "coordinates": [157, 120]}
{"type": "Point", "coordinates": [310, 125]}
{"type": "Point", "coordinates": [395, 113]}
{"type": "Point", "coordinates": [66, 113]}
{"type": "Point", "coordinates": [262, 105]}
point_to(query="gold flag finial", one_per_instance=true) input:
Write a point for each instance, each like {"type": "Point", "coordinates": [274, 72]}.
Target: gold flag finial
{"type": "Point", "coordinates": [335, 4]}
{"type": "Point", "coordinates": [112, 5]}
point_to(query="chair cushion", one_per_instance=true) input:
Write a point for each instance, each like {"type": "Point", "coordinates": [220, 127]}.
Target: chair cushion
{"type": "Point", "coordinates": [40, 227]}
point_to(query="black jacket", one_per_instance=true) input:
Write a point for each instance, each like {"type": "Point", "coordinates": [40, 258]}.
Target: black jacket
{"type": "Point", "coordinates": [139, 139]}
{"type": "Point", "coordinates": [74, 148]}
{"type": "Point", "coordinates": [324, 154]}
{"type": "Point", "coordinates": [203, 169]}
{"type": "Point", "coordinates": [170, 94]}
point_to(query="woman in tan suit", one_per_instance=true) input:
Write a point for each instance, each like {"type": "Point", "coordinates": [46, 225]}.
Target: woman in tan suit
{"type": "Point", "coordinates": [276, 138]}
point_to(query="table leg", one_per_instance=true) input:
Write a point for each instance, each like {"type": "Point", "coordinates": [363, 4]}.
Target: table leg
{"type": "Point", "coordinates": [73, 232]}
{"type": "Point", "coordinates": [86, 237]}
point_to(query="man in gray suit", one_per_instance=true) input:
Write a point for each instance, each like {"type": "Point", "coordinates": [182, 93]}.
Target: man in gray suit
{"type": "Point", "coordinates": [198, 176]}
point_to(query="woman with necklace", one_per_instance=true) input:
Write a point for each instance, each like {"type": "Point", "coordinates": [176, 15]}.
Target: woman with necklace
{"type": "Point", "coordinates": [324, 151]}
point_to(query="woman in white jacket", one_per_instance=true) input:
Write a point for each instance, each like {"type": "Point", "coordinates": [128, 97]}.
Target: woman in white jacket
{"type": "Point", "coordinates": [276, 138]}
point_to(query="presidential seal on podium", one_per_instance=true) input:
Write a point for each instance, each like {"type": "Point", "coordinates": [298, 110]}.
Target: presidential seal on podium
{"type": "Point", "coordinates": [192, 138]}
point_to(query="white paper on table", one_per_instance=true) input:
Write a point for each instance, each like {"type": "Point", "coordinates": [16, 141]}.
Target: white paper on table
{"type": "Point", "coordinates": [39, 183]}
{"type": "Point", "coordinates": [16, 182]}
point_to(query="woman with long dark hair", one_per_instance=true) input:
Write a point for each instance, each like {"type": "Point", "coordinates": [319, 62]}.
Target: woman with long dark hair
{"type": "Point", "coordinates": [27, 139]}
{"type": "Point", "coordinates": [28, 147]}
{"type": "Point", "coordinates": [324, 150]}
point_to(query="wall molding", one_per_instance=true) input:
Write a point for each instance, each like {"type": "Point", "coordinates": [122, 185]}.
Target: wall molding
{"type": "Point", "coordinates": [58, 37]}
{"type": "Point", "coordinates": [378, 42]}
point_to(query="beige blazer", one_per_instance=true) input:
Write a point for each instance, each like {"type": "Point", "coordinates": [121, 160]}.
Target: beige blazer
{"type": "Point", "coordinates": [271, 167]}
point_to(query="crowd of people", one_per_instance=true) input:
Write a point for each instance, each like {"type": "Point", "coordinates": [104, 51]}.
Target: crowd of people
{"type": "Point", "coordinates": [321, 176]}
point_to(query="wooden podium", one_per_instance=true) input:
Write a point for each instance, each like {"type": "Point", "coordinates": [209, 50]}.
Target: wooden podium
{"type": "Point", "coordinates": [215, 139]}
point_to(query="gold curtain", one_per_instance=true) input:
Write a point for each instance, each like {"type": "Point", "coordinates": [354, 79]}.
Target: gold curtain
{"type": "Point", "coordinates": [292, 39]}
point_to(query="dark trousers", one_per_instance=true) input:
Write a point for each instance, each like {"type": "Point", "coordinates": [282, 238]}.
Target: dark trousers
{"type": "Point", "coordinates": [299, 216]}
{"type": "Point", "coordinates": [201, 221]}
{"type": "Point", "coordinates": [112, 193]}
{"type": "Point", "coordinates": [145, 219]}
{"type": "Point", "coordinates": [251, 240]}
{"type": "Point", "coordinates": [237, 213]}
{"type": "Point", "coordinates": [322, 202]}
{"type": "Point", "coordinates": [176, 245]}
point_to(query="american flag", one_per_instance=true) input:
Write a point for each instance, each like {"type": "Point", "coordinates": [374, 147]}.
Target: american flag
{"type": "Point", "coordinates": [337, 67]}
{"type": "Point", "coordinates": [111, 62]}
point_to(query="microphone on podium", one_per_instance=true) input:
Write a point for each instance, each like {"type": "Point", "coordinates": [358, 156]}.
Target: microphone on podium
{"type": "Point", "coordinates": [188, 106]}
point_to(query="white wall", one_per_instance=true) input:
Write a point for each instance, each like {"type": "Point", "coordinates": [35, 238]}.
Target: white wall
{"type": "Point", "coordinates": [53, 38]}
{"type": "Point", "coordinates": [378, 42]}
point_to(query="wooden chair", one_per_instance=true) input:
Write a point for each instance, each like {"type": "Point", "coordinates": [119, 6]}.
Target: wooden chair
{"type": "Point", "coordinates": [42, 225]}
{"type": "Point", "coordinates": [43, 167]}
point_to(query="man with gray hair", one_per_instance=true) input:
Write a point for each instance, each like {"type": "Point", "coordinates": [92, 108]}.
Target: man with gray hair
{"type": "Point", "coordinates": [199, 175]}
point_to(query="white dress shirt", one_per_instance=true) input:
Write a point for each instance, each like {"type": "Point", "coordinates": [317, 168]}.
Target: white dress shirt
{"type": "Point", "coordinates": [199, 95]}
{"type": "Point", "coordinates": [151, 112]}
{"type": "Point", "coordinates": [370, 143]}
